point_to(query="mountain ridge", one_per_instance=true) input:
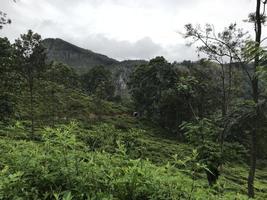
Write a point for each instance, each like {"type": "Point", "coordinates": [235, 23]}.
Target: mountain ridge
{"type": "Point", "coordinates": [79, 58]}
{"type": "Point", "coordinates": [82, 60]}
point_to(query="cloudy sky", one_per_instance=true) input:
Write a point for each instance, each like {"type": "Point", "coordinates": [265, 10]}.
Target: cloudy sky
{"type": "Point", "coordinates": [123, 29]}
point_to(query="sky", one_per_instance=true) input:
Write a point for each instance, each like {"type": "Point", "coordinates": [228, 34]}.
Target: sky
{"type": "Point", "coordinates": [124, 29]}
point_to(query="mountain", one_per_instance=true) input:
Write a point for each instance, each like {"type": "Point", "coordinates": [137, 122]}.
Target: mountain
{"type": "Point", "coordinates": [76, 57]}
{"type": "Point", "coordinates": [83, 60]}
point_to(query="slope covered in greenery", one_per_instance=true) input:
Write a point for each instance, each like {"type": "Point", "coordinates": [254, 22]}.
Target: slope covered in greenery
{"type": "Point", "coordinates": [107, 161]}
{"type": "Point", "coordinates": [190, 130]}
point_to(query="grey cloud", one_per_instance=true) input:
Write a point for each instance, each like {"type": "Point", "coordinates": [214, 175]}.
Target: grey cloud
{"type": "Point", "coordinates": [146, 3]}
{"type": "Point", "coordinates": [144, 48]}
{"type": "Point", "coordinates": [78, 21]}
{"type": "Point", "coordinates": [180, 52]}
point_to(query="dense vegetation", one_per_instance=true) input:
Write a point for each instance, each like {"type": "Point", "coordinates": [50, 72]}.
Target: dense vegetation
{"type": "Point", "coordinates": [197, 132]}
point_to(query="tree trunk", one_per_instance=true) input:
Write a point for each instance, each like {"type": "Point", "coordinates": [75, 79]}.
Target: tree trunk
{"type": "Point", "coordinates": [31, 106]}
{"type": "Point", "coordinates": [53, 107]}
{"type": "Point", "coordinates": [224, 100]}
{"type": "Point", "coordinates": [252, 166]}
{"type": "Point", "coordinates": [230, 77]}
{"type": "Point", "coordinates": [255, 93]}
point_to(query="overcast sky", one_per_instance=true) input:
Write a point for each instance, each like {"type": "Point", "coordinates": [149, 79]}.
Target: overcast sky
{"type": "Point", "coordinates": [123, 29]}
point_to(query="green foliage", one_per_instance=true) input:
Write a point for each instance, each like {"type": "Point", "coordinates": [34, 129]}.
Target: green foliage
{"type": "Point", "coordinates": [30, 55]}
{"type": "Point", "coordinates": [201, 131]}
{"type": "Point", "coordinates": [212, 150]}
{"type": "Point", "coordinates": [98, 81]}
{"type": "Point", "coordinates": [30, 62]}
{"type": "Point", "coordinates": [204, 135]}
{"type": "Point", "coordinates": [61, 167]}
{"type": "Point", "coordinates": [205, 94]}
{"type": "Point", "coordinates": [105, 137]}
{"type": "Point", "coordinates": [46, 94]}
{"type": "Point", "coordinates": [242, 120]}
{"type": "Point", "coordinates": [153, 89]}
{"type": "Point", "coordinates": [169, 95]}
{"type": "Point", "coordinates": [148, 81]}
{"type": "Point", "coordinates": [107, 153]}
{"type": "Point", "coordinates": [6, 107]}
{"type": "Point", "coordinates": [8, 81]}
{"type": "Point", "coordinates": [62, 74]}
{"type": "Point", "coordinates": [227, 44]}
{"type": "Point", "coordinates": [10, 184]}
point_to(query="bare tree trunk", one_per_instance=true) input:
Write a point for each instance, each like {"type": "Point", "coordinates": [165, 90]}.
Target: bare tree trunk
{"type": "Point", "coordinates": [255, 93]}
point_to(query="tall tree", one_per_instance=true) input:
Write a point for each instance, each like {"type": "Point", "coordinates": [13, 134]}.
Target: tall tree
{"type": "Point", "coordinates": [258, 18]}
{"type": "Point", "coordinates": [154, 89]}
{"type": "Point", "coordinates": [225, 49]}
{"type": "Point", "coordinates": [207, 90]}
{"type": "Point", "coordinates": [30, 55]}
{"type": "Point", "coordinates": [59, 82]}
{"type": "Point", "coordinates": [8, 80]}
{"type": "Point", "coordinates": [147, 83]}
{"type": "Point", "coordinates": [245, 53]}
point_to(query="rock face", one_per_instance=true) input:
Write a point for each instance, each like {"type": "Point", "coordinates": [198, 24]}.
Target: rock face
{"type": "Point", "coordinates": [83, 60]}
{"type": "Point", "coordinates": [121, 73]}
{"type": "Point", "coordinates": [78, 58]}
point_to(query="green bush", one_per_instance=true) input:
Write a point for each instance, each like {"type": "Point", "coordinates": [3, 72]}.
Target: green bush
{"type": "Point", "coordinates": [61, 166]}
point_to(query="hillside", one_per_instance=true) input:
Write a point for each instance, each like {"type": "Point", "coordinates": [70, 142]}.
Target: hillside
{"type": "Point", "coordinates": [109, 161]}
{"type": "Point", "coordinates": [82, 60]}
{"type": "Point", "coordinates": [64, 143]}
{"type": "Point", "coordinates": [141, 103]}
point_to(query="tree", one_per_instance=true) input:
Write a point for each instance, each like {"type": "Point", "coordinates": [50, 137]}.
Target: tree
{"type": "Point", "coordinates": [147, 83]}
{"type": "Point", "coordinates": [98, 77]}
{"type": "Point", "coordinates": [258, 18]}
{"type": "Point", "coordinates": [203, 134]}
{"type": "Point", "coordinates": [59, 82]}
{"type": "Point", "coordinates": [8, 80]}
{"type": "Point", "coordinates": [239, 50]}
{"type": "Point", "coordinates": [204, 80]}
{"type": "Point", "coordinates": [30, 55]}
{"type": "Point", "coordinates": [170, 94]}
{"type": "Point", "coordinates": [62, 74]}
{"type": "Point", "coordinates": [225, 49]}
{"type": "Point", "coordinates": [154, 90]}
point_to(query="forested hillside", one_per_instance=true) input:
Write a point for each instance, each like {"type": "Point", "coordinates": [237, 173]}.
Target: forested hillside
{"type": "Point", "coordinates": [75, 124]}
{"type": "Point", "coordinates": [82, 60]}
